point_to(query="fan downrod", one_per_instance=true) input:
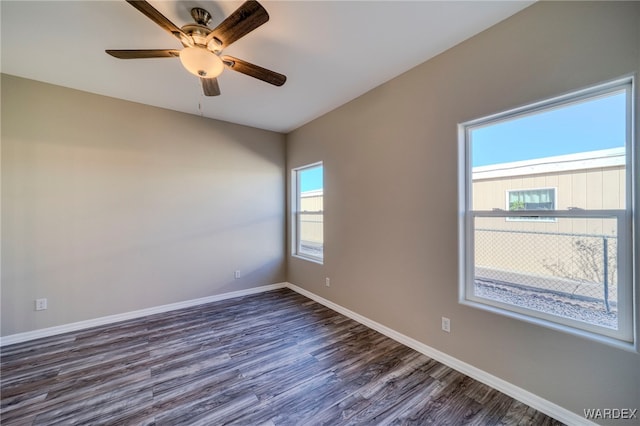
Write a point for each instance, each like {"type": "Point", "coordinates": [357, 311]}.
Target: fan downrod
{"type": "Point", "coordinates": [201, 16]}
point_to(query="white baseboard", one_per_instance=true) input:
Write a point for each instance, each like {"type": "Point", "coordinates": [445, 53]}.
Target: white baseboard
{"type": "Point", "coordinates": [532, 400]}
{"type": "Point", "coordinates": [82, 325]}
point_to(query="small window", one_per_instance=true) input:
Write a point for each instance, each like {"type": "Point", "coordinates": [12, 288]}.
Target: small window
{"type": "Point", "coordinates": [308, 212]}
{"type": "Point", "coordinates": [546, 223]}
{"type": "Point", "coordinates": [531, 199]}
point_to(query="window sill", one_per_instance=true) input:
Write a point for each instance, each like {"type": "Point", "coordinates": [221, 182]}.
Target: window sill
{"type": "Point", "coordinates": [309, 259]}
{"type": "Point", "coordinates": [609, 341]}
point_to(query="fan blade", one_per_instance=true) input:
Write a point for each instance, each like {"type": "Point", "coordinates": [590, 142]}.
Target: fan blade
{"type": "Point", "coordinates": [254, 71]}
{"type": "Point", "coordinates": [245, 19]}
{"type": "Point", "coordinates": [161, 20]}
{"type": "Point", "coordinates": [140, 54]}
{"type": "Point", "coordinates": [210, 86]}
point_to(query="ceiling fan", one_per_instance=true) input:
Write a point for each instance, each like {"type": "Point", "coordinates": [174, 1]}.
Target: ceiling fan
{"type": "Point", "coordinates": [203, 45]}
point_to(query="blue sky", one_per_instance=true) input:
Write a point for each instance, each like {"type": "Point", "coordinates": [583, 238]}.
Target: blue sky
{"type": "Point", "coordinates": [311, 179]}
{"type": "Point", "coordinates": [586, 126]}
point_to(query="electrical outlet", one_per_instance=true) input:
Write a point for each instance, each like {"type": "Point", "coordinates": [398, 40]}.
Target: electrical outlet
{"type": "Point", "coordinates": [327, 282]}
{"type": "Point", "coordinates": [237, 274]}
{"type": "Point", "coordinates": [41, 304]}
{"type": "Point", "coordinates": [446, 324]}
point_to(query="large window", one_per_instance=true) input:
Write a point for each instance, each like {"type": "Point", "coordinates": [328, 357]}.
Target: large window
{"type": "Point", "coordinates": [558, 250]}
{"type": "Point", "coordinates": [308, 212]}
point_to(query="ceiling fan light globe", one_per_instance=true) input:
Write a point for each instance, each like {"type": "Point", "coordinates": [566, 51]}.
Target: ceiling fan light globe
{"type": "Point", "coordinates": [201, 62]}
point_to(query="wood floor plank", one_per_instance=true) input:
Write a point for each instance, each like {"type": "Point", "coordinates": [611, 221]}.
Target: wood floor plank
{"type": "Point", "coordinates": [274, 358]}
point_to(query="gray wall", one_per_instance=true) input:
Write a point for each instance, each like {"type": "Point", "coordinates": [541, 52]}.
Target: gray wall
{"type": "Point", "coordinates": [391, 213]}
{"type": "Point", "coordinates": [110, 206]}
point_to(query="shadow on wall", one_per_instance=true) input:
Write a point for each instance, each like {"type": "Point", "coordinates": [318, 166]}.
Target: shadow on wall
{"type": "Point", "coordinates": [110, 206]}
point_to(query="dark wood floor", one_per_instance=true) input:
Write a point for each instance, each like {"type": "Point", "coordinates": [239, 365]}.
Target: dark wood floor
{"type": "Point", "coordinates": [274, 358]}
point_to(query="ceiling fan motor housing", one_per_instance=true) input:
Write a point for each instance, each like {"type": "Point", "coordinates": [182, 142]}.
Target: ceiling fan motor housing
{"type": "Point", "coordinates": [199, 30]}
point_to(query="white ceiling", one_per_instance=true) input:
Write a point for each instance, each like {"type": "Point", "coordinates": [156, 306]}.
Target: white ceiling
{"type": "Point", "coordinates": [330, 51]}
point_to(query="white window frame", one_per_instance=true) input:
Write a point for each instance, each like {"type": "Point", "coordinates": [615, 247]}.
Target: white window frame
{"type": "Point", "coordinates": [296, 212]}
{"type": "Point", "coordinates": [536, 218]}
{"type": "Point", "coordinates": [626, 336]}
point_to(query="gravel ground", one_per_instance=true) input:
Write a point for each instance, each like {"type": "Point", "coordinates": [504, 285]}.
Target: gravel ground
{"type": "Point", "coordinates": [565, 306]}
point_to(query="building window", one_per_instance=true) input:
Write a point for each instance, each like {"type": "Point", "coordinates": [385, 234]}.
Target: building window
{"type": "Point", "coordinates": [308, 212]}
{"type": "Point", "coordinates": [558, 252]}
{"type": "Point", "coordinates": [531, 199]}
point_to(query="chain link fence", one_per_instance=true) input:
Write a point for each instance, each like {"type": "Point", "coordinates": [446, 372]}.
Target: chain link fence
{"type": "Point", "coordinates": [577, 266]}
